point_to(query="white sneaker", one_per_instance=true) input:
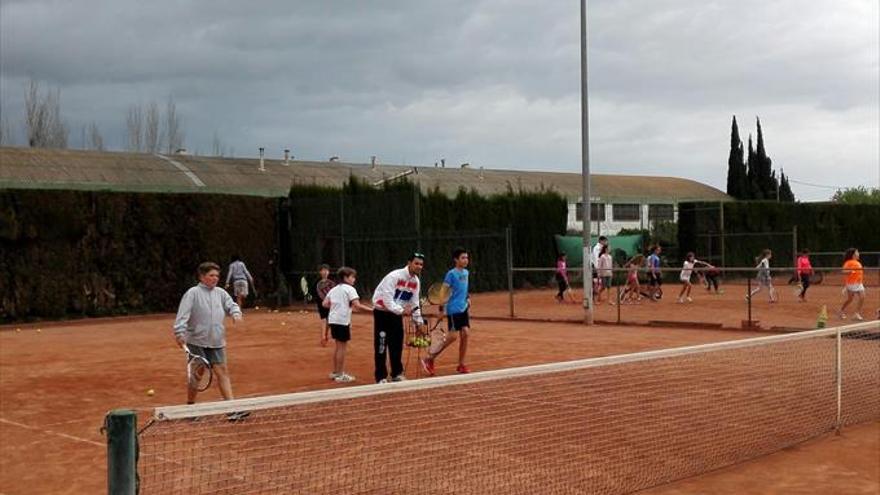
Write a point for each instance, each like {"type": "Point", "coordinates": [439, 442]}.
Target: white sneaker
{"type": "Point", "coordinates": [858, 316]}
{"type": "Point", "coordinates": [842, 316]}
{"type": "Point", "coordinates": [680, 301]}
{"type": "Point", "coordinates": [333, 376]}
{"type": "Point", "coordinates": [399, 378]}
{"type": "Point", "coordinates": [344, 378]}
{"type": "Point", "coordinates": [382, 381]}
{"type": "Point", "coordinates": [690, 300]}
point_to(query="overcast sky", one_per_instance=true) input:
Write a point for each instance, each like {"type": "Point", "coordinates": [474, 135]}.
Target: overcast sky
{"type": "Point", "coordinates": [495, 83]}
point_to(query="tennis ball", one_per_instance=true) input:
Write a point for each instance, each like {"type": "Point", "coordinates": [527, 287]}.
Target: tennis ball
{"type": "Point", "coordinates": [151, 392]}
{"type": "Point", "coordinates": [39, 330]}
{"type": "Point", "coordinates": [256, 307]}
{"type": "Point", "coordinates": [18, 330]}
{"type": "Point", "coordinates": [283, 323]}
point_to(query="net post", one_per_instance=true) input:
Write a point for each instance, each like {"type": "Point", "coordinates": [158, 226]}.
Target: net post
{"type": "Point", "coordinates": [121, 428]}
{"type": "Point", "coordinates": [509, 246]}
{"type": "Point", "coordinates": [839, 380]}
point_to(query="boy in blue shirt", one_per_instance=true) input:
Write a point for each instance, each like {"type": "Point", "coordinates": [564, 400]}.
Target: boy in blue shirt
{"type": "Point", "coordinates": [458, 320]}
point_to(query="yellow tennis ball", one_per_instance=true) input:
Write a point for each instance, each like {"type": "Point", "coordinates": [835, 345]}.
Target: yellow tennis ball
{"type": "Point", "coordinates": [283, 323]}
{"type": "Point", "coordinates": [256, 307]}
{"type": "Point", "coordinates": [151, 392]}
{"type": "Point", "coordinates": [39, 330]}
{"type": "Point", "coordinates": [18, 330]}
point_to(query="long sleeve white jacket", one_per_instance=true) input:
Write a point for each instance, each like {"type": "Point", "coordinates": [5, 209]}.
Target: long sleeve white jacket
{"type": "Point", "coordinates": [396, 291]}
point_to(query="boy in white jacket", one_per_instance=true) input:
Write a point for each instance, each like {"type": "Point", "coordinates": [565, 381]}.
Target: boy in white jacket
{"type": "Point", "coordinates": [395, 297]}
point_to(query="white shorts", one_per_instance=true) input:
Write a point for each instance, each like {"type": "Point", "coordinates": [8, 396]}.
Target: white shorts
{"type": "Point", "coordinates": [855, 288]}
{"type": "Point", "coordinates": [240, 288]}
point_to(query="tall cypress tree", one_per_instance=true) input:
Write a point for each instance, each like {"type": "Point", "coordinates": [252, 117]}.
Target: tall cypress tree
{"type": "Point", "coordinates": [765, 178]}
{"type": "Point", "coordinates": [737, 182]}
{"type": "Point", "coordinates": [785, 192]}
{"type": "Point", "coordinates": [752, 175]}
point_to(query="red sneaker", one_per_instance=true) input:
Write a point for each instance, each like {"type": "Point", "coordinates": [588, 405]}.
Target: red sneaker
{"type": "Point", "coordinates": [428, 366]}
{"type": "Point", "coordinates": [462, 369]}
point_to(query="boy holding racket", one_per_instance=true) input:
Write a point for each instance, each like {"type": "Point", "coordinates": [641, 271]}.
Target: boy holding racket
{"type": "Point", "coordinates": [396, 296]}
{"type": "Point", "coordinates": [457, 317]}
{"type": "Point", "coordinates": [339, 301]}
{"type": "Point", "coordinates": [199, 326]}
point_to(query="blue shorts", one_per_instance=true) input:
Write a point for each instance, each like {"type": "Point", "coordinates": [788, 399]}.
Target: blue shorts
{"type": "Point", "coordinates": [214, 355]}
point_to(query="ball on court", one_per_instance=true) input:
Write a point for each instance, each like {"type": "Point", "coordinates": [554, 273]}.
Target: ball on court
{"type": "Point", "coordinates": [256, 307]}
{"type": "Point", "coordinates": [151, 392]}
{"type": "Point", "coordinates": [39, 330]}
{"type": "Point", "coordinates": [18, 330]}
{"type": "Point", "coordinates": [283, 323]}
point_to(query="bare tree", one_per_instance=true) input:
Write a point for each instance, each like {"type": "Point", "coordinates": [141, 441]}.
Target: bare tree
{"type": "Point", "coordinates": [43, 122]}
{"type": "Point", "coordinates": [153, 132]}
{"type": "Point", "coordinates": [134, 127]}
{"type": "Point", "coordinates": [94, 139]}
{"type": "Point", "coordinates": [173, 126]}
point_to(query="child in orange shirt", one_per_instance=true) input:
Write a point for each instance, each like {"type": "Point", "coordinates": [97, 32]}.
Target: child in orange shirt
{"type": "Point", "coordinates": [854, 278]}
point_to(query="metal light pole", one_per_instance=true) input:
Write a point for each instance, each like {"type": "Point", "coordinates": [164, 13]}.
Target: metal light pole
{"type": "Point", "coordinates": [585, 160]}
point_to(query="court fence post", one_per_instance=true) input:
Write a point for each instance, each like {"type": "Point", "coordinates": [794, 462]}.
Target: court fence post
{"type": "Point", "coordinates": [509, 247]}
{"type": "Point", "coordinates": [749, 298]}
{"type": "Point", "coordinates": [618, 303]}
{"type": "Point", "coordinates": [120, 426]}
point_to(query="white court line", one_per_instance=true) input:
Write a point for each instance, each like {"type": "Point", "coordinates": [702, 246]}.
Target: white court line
{"type": "Point", "coordinates": [50, 432]}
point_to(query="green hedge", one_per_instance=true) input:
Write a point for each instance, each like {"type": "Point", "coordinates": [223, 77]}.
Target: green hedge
{"type": "Point", "coordinates": [375, 229]}
{"type": "Point", "coordinates": [751, 226]}
{"type": "Point", "coordinates": [67, 254]}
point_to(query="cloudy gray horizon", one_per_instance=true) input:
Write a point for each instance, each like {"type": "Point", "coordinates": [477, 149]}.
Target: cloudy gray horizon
{"type": "Point", "coordinates": [495, 83]}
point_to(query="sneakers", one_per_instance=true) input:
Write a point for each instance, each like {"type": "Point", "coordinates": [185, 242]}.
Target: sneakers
{"type": "Point", "coordinates": [343, 378]}
{"type": "Point", "coordinates": [237, 415]}
{"type": "Point", "coordinates": [383, 381]}
{"type": "Point", "coordinates": [858, 316]}
{"type": "Point", "coordinates": [462, 369]}
{"type": "Point", "coordinates": [680, 301]}
{"type": "Point", "coordinates": [399, 378]}
{"type": "Point", "coordinates": [428, 366]}
{"type": "Point", "coordinates": [689, 299]}
{"type": "Point", "coordinates": [333, 376]}
{"type": "Point", "coordinates": [842, 315]}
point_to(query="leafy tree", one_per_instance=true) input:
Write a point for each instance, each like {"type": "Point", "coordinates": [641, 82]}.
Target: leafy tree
{"type": "Point", "coordinates": [860, 195]}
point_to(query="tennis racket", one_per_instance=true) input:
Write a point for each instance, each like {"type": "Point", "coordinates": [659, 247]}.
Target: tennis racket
{"type": "Point", "coordinates": [323, 288]}
{"type": "Point", "coordinates": [304, 287]}
{"type": "Point", "coordinates": [438, 293]}
{"type": "Point", "coordinates": [198, 371]}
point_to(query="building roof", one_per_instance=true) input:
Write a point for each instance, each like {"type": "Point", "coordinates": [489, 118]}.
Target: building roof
{"type": "Point", "coordinates": [28, 168]}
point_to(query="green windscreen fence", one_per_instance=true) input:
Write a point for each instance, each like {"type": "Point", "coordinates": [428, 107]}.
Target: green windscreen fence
{"type": "Point", "coordinates": [573, 246]}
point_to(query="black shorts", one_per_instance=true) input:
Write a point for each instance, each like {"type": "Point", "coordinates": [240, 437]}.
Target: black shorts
{"type": "Point", "coordinates": [322, 311]}
{"type": "Point", "coordinates": [341, 333]}
{"type": "Point", "coordinates": [655, 279]}
{"type": "Point", "coordinates": [458, 321]}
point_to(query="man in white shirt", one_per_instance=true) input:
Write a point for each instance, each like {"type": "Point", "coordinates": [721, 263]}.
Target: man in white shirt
{"type": "Point", "coordinates": [396, 296]}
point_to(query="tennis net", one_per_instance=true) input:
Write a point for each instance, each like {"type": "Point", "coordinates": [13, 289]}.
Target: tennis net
{"type": "Point", "coordinates": [604, 425]}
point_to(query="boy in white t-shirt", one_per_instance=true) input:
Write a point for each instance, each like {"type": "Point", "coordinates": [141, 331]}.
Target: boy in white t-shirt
{"type": "Point", "coordinates": [340, 300]}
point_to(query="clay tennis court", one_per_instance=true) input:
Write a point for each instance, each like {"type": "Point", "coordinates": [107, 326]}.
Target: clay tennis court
{"type": "Point", "coordinates": [58, 383]}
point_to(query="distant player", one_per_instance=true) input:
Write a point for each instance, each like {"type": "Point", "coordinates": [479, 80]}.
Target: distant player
{"type": "Point", "coordinates": [685, 276]}
{"type": "Point", "coordinates": [239, 276]}
{"type": "Point", "coordinates": [655, 275]}
{"type": "Point", "coordinates": [457, 317]}
{"type": "Point", "coordinates": [764, 279]}
{"type": "Point", "coordinates": [561, 277]}
{"type": "Point", "coordinates": [322, 287]}
{"type": "Point", "coordinates": [710, 277]}
{"type": "Point", "coordinates": [854, 275]}
{"type": "Point", "coordinates": [199, 326]}
{"type": "Point", "coordinates": [396, 296]}
{"type": "Point", "coordinates": [632, 293]}
{"type": "Point", "coordinates": [340, 301]}
{"type": "Point", "coordinates": [804, 272]}
{"type": "Point", "coordinates": [605, 269]}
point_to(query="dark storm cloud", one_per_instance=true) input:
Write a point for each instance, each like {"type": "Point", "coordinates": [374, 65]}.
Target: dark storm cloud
{"type": "Point", "coordinates": [494, 82]}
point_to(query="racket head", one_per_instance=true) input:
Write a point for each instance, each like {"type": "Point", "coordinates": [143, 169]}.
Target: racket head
{"type": "Point", "coordinates": [198, 372]}
{"type": "Point", "coordinates": [438, 293]}
{"type": "Point", "coordinates": [323, 287]}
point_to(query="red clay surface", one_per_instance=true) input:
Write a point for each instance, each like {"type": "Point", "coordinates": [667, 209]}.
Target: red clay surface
{"type": "Point", "coordinates": [57, 384]}
{"type": "Point", "coordinates": [728, 309]}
